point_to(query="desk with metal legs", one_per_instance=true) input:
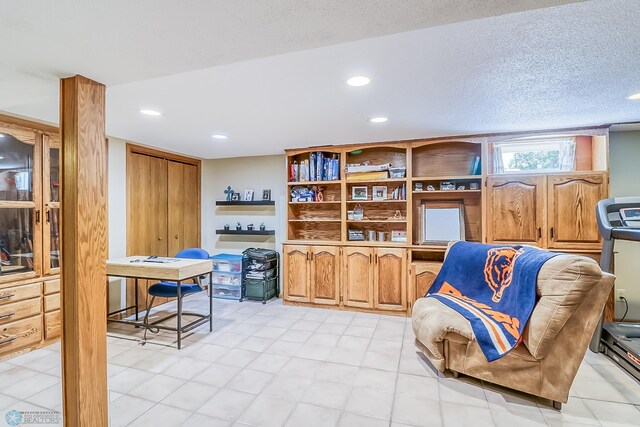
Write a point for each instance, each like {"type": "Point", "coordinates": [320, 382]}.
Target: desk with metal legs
{"type": "Point", "coordinates": [178, 271]}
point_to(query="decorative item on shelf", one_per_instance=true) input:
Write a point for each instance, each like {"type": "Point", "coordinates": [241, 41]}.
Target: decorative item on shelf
{"type": "Point", "coordinates": [293, 172]}
{"type": "Point", "coordinates": [358, 213]}
{"type": "Point", "coordinates": [447, 185]}
{"type": "Point", "coordinates": [302, 194]}
{"type": "Point", "coordinates": [441, 221]}
{"type": "Point", "coordinates": [418, 186]}
{"type": "Point", "coordinates": [372, 235]}
{"type": "Point", "coordinates": [399, 193]}
{"type": "Point", "coordinates": [235, 197]}
{"type": "Point", "coordinates": [355, 235]}
{"type": "Point", "coordinates": [238, 226]}
{"type": "Point", "coordinates": [248, 195]}
{"type": "Point", "coordinates": [263, 227]}
{"type": "Point", "coordinates": [319, 194]}
{"type": "Point", "coordinates": [226, 226]}
{"type": "Point", "coordinates": [431, 188]}
{"type": "Point", "coordinates": [379, 192]}
{"type": "Point", "coordinates": [462, 187]}
{"type": "Point", "coordinates": [359, 193]}
{"type": "Point", "coordinates": [399, 172]}
{"type": "Point", "coordinates": [250, 227]}
{"type": "Point", "coordinates": [474, 186]}
{"type": "Point", "coordinates": [381, 236]}
{"type": "Point", "coordinates": [229, 193]}
{"type": "Point", "coordinates": [397, 216]}
{"type": "Point", "coordinates": [350, 215]}
{"type": "Point", "coordinates": [366, 171]}
{"type": "Point", "coordinates": [476, 168]}
{"type": "Point", "coordinates": [399, 236]}
{"type": "Point", "coordinates": [266, 195]}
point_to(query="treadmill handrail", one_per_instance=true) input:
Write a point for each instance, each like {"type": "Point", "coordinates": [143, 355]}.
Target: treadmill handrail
{"type": "Point", "coordinates": [604, 207]}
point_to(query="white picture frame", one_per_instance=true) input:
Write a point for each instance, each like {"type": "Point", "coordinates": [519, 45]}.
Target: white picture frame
{"type": "Point", "coordinates": [248, 196]}
{"type": "Point", "coordinates": [359, 192]}
{"type": "Point", "coordinates": [442, 222]}
{"type": "Point", "coordinates": [379, 192]}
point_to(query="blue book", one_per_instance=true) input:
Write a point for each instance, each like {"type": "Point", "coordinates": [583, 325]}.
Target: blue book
{"type": "Point", "coordinates": [319, 165]}
{"type": "Point", "coordinates": [312, 167]}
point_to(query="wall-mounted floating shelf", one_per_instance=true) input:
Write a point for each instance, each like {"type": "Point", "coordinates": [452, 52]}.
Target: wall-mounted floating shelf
{"type": "Point", "coordinates": [247, 232]}
{"type": "Point", "coordinates": [245, 203]}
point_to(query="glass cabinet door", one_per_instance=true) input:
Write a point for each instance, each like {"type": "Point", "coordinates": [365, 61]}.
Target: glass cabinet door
{"type": "Point", "coordinates": [19, 213]}
{"type": "Point", "coordinates": [51, 182]}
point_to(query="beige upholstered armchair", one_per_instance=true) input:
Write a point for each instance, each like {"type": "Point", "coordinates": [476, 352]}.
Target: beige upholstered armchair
{"type": "Point", "coordinates": [572, 291]}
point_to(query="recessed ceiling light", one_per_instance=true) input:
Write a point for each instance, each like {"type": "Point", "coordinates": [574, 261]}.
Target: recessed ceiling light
{"type": "Point", "coordinates": [357, 81]}
{"type": "Point", "coordinates": [219, 136]}
{"type": "Point", "coordinates": [1, 158]}
{"type": "Point", "coordinates": [634, 97]}
{"type": "Point", "coordinates": [379, 119]}
{"type": "Point", "coordinates": [1, 135]}
{"type": "Point", "coordinates": [150, 112]}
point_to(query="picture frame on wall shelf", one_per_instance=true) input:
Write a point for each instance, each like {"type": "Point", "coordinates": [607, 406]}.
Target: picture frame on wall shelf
{"type": "Point", "coordinates": [266, 195]}
{"type": "Point", "coordinates": [248, 196]}
{"type": "Point", "coordinates": [235, 197]}
{"type": "Point", "coordinates": [359, 192]}
{"type": "Point", "coordinates": [379, 192]}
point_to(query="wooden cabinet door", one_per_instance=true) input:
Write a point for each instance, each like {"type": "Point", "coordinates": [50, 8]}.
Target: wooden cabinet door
{"type": "Point", "coordinates": [325, 280]}
{"type": "Point", "coordinates": [357, 277]}
{"type": "Point", "coordinates": [516, 209]}
{"type": "Point", "coordinates": [296, 273]}
{"type": "Point", "coordinates": [183, 207]}
{"type": "Point", "coordinates": [572, 200]}
{"type": "Point", "coordinates": [390, 284]}
{"type": "Point", "coordinates": [423, 274]}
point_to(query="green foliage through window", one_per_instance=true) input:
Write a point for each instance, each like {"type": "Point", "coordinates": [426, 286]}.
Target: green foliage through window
{"type": "Point", "coordinates": [533, 160]}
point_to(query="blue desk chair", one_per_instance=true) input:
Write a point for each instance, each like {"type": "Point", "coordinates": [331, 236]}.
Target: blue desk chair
{"type": "Point", "coordinates": [179, 291]}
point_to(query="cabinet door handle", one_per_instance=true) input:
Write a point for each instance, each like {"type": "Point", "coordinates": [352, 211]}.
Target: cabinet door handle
{"type": "Point", "coordinates": [551, 231]}
{"type": "Point", "coordinates": [8, 340]}
{"type": "Point", "coordinates": [48, 215]}
{"type": "Point", "coordinates": [376, 258]}
{"type": "Point", "coordinates": [7, 296]}
{"type": "Point", "coordinates": [38, 216]}
{"type": "Point", "coordinates": [308, 257]}
{"type": "Point", "coordinates": [311, 256]}
{"type": "Point", "coordinates": [5, 316]}
{"type": "Point", "coordinates": [370, 258]}
{"type": "Point", "coordinates": [539, 232]}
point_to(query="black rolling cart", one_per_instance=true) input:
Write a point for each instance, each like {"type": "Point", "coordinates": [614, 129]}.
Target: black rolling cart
{"type": "Point", "coordinates": [260, 272]}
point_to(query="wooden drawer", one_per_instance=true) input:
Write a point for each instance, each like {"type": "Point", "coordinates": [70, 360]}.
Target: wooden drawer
{"type": "Point", "coordinates": [52, 324]}
{"type": "Point", "coordinates": [51, 302]}
{"type": "Point", "coordinates": [51, 286]}
{"type": "Point", "coordinates": [20, 310]}
{"type": "Point", "coordinates": [23, 333]}
{"type": "Point", "coordinates": [19, 293]}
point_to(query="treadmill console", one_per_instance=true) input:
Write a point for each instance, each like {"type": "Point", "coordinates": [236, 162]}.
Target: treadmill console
{"type": "Point", "coordinates": [630, 217]}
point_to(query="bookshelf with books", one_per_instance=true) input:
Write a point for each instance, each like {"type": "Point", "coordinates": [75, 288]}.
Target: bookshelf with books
{"type": "Point", "coordinates": [358, 241]}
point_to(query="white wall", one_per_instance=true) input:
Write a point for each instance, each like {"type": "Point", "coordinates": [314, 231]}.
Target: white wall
{"type": "Point", "coordinates": [117, 182]}
{"type": "Point", "coordinates": [256, 173]}
{"type": "Point", "coordinates": [624, 153]}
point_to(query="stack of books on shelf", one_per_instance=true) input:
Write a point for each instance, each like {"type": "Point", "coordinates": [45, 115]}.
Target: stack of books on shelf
{"type": "Point", "coordinates": [358, 172]}
{"type": "Point", "coordinates": [318, 167]}
{"type": "Point", "coordinates": [399, 193]}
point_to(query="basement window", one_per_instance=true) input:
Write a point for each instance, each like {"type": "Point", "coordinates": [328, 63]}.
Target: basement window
{"type": "Point", "coordinates": [535, 155]}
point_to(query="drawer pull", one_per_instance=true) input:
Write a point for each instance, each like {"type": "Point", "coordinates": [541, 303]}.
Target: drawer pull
{"type": "Point", "coordinates": [4, 316]}
{"type": "Point", "coordinates": [8, 340]}
{"type": "Point", "coordinates": [7, 296]}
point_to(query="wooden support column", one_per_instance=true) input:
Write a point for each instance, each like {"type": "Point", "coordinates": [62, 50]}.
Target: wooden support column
{"type": "Point", "coordinates": [84, 251]}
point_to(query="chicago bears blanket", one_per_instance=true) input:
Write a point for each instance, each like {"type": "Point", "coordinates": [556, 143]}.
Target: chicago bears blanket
{"type": "Point", "coordinates": [494, 287]}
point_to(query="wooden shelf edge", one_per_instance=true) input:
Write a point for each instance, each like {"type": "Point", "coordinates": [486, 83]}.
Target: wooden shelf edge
{"type": "Point", "coordinates": [314, 182]}
{"type": "Point", "coordinates": [247, 232]}
{"type": "Point", "coordinates": [245, 203]}
{"type": "Point", "coordinates": [445, 178]}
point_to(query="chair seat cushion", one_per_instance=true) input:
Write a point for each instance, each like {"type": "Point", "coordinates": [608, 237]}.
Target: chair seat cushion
{"type": "Point", "coordinates": [170, 289]}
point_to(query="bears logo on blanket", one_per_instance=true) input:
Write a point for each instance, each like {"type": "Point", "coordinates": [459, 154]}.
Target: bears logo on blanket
{"type": "Point", "coordinates": [498, 269]}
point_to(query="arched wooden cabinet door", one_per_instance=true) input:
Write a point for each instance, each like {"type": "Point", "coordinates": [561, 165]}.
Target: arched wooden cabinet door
{"type": "Point", "coordinates": [423, 275]}
{"type": "Point", "coordinates": [357, 277]}
{"type": "Point", "coordinates": [516, 209]}
{"type": "Point", "coordinates": [390, 290]}
{"type": "Point", "coordinates": [572, 200]}
{"type": "Point", "coordinates": [325, 275]}
{"type": "Point", "coordinates": [296, 267]}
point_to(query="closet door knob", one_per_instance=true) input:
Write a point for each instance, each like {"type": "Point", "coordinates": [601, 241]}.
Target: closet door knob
{"type": "Point", "coordinates": [176, 237]}
{"type": "Point", "coordinates": [159, 238]}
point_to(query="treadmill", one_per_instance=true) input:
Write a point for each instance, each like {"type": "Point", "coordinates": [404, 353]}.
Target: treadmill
{"type": "Point", "coordinates": [618, 219]}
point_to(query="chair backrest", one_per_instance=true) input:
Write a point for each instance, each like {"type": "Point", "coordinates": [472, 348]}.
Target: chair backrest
{"type": "Point", "coordinates": [193, 253]}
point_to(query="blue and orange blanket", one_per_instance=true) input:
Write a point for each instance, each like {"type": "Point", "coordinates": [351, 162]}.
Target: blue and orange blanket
{"type": "Point", "coordinates": [492, 286]}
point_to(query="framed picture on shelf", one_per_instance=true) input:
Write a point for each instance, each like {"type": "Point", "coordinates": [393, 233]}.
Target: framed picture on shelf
{"type": "Point", "coordinates": [235, 197]}
{"type": "Point", "coordinates": [248, 195]}
{"type": "Point", "coordinates": [379, 192]}
{"type": "Point", "coordinates": [266, 194]}
{"type": "Point", "coordinates": [359, 193]}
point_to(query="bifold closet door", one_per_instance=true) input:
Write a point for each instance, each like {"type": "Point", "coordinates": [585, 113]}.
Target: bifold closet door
{"type": "Point", "coordinates": [182, 210]}
{"type": "Point", "coordinates": [147, 218]}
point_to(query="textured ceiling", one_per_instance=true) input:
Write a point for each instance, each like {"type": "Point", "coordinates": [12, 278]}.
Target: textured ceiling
{"type": "Point", "coordinates": [570, 65]}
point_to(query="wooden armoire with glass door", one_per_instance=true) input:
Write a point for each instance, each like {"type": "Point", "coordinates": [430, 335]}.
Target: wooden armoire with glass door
{"type": "Point", "coordinates": [29, 235]}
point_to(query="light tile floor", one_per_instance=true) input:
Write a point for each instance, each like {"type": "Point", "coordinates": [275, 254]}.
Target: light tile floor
{"type": "Point", "coordinates": [278, 365]}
